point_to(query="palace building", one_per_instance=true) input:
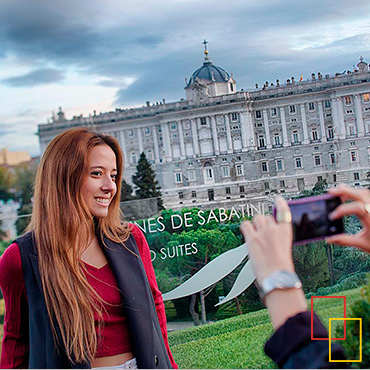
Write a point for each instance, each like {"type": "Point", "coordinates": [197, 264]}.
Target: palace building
{"type": "Point", "coordinates": [221, 144]}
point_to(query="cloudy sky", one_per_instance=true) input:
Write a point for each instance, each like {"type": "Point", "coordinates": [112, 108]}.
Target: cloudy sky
{"type": "Point", "coordinates": [91, 55]}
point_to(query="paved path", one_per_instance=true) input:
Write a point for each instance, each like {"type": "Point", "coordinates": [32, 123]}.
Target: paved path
{"type": "Point", "coordinates": [179, 325]}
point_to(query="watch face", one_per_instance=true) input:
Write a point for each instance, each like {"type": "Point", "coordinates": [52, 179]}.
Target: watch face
{"type": "Point", "coordinates": [280, 280]}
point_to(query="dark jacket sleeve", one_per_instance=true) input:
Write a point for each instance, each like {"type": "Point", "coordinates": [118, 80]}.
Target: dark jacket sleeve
{"type": "Point", "coordinates": [291, 346]}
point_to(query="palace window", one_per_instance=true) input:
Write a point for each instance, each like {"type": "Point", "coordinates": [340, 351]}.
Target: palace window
{"type": "Point", "coordinates": [173, 126]}
{"type": "Point", "coordinates": [366, 98]}
{"type": "Point", "coordinates": [298, 162]}
{"type": "Point", "coordinates": [356, 176]}
{"type": "Point", "coordinates": [347, 100]}
{"type": "Point", "coordinates": [332, 158]}
{"type": "Point", "coordinates": [295, 136]}
{"type": "Point", "coordinates": [147, 130]}
{"type": "Point", "coordinates": [351, 130]}
{"type": "Point", "coordinates": [228, 190]}
{"type": "Point", "coordinates": [225, 171]}
{"type": "Point", "coordinates": [279, 165]}
{"type": "Point", "coordinates": [209, 173]}
{"type": "Point", "coordinates": [239, 170]}
{"type": "Point", "coordinates": [327, 104]}
{"type": "Point", "coordinates": [353, 156]}
{"type": "Point", "coordinates": [241, 189]}
{"type": "Point", "coordinates": [133, 158]}
{"type": "Point", "coordinates": [264, 167]}
{"type": "Point", "coordinates": [335, 178]}
{"type": "Point", "coordinates": [330, 131]}
{"type": "Point", "coordinates": [282, 183]}
{"type": "Point", "coordinates": [181, 195]}
{"type": "Point", "coordinates": [319, 178]}
{"type": "Point", "coordinates": [311, 106]}
{"type": "Point", "coordinates": [203, 121]}
{"type": "Point", "coordinates": [194, 194]}
{"type": "Point", "coordinates": [317, 160]}
{"type": "Point", "coordinates": [261, 141]}
{"type": "Point", "coordinates": [191, 175]}
{"type": "Point", "coordinates": [277, 139]}
{"type": "Point", "coordinates": [178, 177]}
{"type": "Point", "coordinates": [266, 185]}
{"type": "Point", "coordinates": [291, 109]}
{"type": "Point", "coordinates": [273, 112]}
{"type": "Point", "coordinates": [314, 134]}
{"type": "Point", "coordinates": [258, 114]}
{"type": "Point", "coordinates": [130, 133]}
{"type": "Point", "coordinates": [150, 155]}
{"type": "Point", "coordinates": [234, 116]}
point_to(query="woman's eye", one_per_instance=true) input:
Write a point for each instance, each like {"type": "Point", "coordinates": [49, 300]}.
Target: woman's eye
{"type": "Point", "coordinates": [96, 173]}
{"type": "Point", "coordinates": [114, 177]}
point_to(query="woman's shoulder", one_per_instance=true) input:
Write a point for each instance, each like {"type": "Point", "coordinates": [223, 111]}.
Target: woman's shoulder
{"type": "Point", "coordinates": [11, 264]}
{"type": "Point", "coordinates": [135, 231]}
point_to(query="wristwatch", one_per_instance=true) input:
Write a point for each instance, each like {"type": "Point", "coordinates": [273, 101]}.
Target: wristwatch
{"type": "Point", "coordinates": [280, 279]}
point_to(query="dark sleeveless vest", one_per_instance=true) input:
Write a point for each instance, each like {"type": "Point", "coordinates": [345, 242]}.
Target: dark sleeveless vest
{"type": "Point", "coordinates": [145, 333]}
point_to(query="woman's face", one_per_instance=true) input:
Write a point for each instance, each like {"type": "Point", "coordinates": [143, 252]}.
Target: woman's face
{"type": "Point", "coordinates": [100, 185]}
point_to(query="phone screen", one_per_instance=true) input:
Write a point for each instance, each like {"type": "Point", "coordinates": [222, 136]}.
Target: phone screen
{"type": "Point", "coordinates": [310, 218]}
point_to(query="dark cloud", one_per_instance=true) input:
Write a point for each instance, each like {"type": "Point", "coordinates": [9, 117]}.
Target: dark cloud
{"type": "Point", "coordinates": [159, 42]}
{"type": "Point", "coordinates": [35, 78]}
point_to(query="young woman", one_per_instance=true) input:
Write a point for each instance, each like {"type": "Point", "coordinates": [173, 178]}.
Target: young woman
{"type": "Point", "coordinates": [79, 287]}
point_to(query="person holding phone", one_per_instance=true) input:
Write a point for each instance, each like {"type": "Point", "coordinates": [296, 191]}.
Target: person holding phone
{"type": "Point", "coordinates": [79, 286]}
{"type": "Point", "coordinates": [270, 243]}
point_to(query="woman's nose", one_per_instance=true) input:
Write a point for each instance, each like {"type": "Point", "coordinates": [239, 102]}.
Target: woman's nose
{"type": "Point", "coordinates": [109, 184]}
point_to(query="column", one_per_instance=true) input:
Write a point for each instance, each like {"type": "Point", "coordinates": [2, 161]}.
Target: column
{"type": "Point", "coordinates": [140, 140]}
{"type": "Point", "coordinates": [304, 125]}
{"type": "Point", "coordinates": [267, 129]}
{"type": "Point", "coordinates": [228, 133]}
{"type": "Point", "coordinates": [359, 118]}
{"type": "Point", "coordinates": [194, 130]}
{"type": "Point", "coordinates": [250, 128]}
{"type": "Point", "coordinates": [216, 147]}
{"type": "Point", "coordinates": [283, 127]}
{"type": "Point", "coordinates": [342, 125]}
{"type": "Point", "coordinates": [322, 122]}
{"type": "Point", "coordinates": [123, 147]}
{"type": "Point", "coordinates": [336, 124]}
{"type": "Point", "coordinates": [166, 142]}
{"type": "Point", "coordinates": [244, 127]}
{"type": "Point", "coordinates": [181, 138]}
{"type": "Point", "coordinates": [156, 147]}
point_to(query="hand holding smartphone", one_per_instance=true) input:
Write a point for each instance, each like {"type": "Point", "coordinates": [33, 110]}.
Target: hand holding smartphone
{"type": "Point", "coordinates": [310, 218]}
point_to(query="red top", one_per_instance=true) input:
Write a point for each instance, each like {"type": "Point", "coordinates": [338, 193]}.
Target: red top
{"type": "Point", "coordinates": [114, 337]}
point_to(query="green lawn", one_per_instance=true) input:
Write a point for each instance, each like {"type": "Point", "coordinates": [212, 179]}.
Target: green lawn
{"type": "Point", "coordinates": [238, 342]}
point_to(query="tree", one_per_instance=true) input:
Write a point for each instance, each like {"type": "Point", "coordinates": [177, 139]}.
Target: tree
{"type": "Point", "coordinates": [25, 178]}
{"type": "Point", "coordinates": [6, 181]}
{"type": "Point", "coordinates": [126, 191]}
{"type": "Point", "coordinates": [146, 184]}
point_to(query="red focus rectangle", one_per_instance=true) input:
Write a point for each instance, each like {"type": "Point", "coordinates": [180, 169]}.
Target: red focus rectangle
{"type": "Point", "coordinates": [344, 315]}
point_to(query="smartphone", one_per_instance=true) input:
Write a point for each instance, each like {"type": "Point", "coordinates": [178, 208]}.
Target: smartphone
{"type": "Point", "coordinates": [310, 219]}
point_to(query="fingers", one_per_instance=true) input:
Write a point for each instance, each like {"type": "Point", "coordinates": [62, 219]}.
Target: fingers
{"type": "Point", "coordinates": [282, 205]}
{"type": "Point", "coordinates": [346, 193]}
{"type": "Point", "coordinates": [342, 239]}
{"type": "Point", "coordinates": [260, 221]}
{"type": "Point", "coordinates": [356, 208]}
{"type": "Point", "coordinates": [247, 229]}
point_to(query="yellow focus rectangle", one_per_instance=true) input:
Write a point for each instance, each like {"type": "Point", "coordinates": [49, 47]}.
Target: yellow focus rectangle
{"type": "Point", "coordinates": [345, 318]}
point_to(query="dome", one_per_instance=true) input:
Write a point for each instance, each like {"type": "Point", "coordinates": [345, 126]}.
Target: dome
{"type": "Point", "coordinates": [209, 72]}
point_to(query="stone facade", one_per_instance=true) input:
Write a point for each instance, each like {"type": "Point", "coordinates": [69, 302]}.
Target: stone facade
{"type": "Point", "coordinates": [9, 158]}
{"type": "Point", "coordinates": [213, 149]}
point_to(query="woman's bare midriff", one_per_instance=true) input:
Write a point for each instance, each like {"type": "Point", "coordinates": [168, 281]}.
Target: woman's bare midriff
{"type": "Point", "coordinates": [112, 360]}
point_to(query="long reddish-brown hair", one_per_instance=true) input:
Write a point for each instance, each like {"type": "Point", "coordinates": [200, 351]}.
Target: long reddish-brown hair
{"type": "Point", "coordinates": [62, 226]}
